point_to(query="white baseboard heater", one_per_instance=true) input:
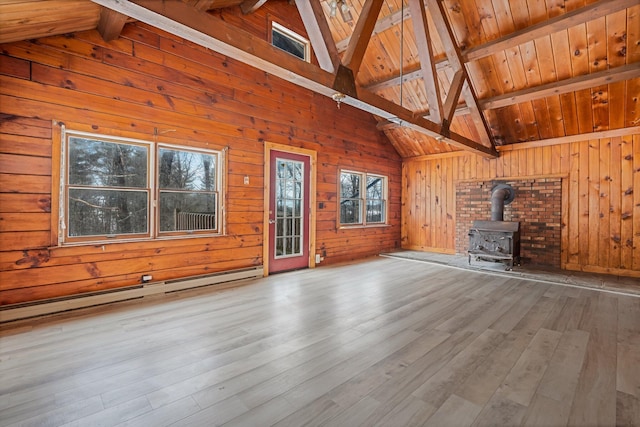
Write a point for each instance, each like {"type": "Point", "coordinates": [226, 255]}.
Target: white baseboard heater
{"type": "Point", "coordinates": [38, 308]}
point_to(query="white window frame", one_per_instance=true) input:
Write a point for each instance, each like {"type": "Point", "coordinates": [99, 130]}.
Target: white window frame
{"type": "Point", "coordinates": [363, 199]}
{"type": "Point", "coordinates": [153, 190]}
{"type": "Point", "coordinates": [284, 31]}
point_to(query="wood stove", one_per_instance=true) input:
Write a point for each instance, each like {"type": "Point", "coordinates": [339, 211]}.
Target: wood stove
{"type": "Point", "coordinates": [495, 241]}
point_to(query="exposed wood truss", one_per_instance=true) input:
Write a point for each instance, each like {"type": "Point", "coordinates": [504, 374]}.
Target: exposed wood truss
{"type": "Point", "coordinates": [561, 22]}
{"type": "Point", "coordinates": [427, 66]}
{"type": "Point", "coordinates": [455, 59]}
{"type": "Point", "coordinates": [381, 25]}
{"type": "Point", "coordinates": [185, 21]}
{"type": "Point", "coordinates": [319, 34]}
{"type": "Point", "coordinates": [352, 58]}
{"type": "Point", "coordinates": [493, 72]}
{"type": "Point", "coordinates": [111, 23]}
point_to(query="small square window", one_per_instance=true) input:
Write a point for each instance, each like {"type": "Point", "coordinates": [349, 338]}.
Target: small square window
{"type": "Point", "coordinates": [287, 40]}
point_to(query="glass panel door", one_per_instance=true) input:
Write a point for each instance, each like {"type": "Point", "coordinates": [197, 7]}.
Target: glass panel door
{"type": "Point", "coordinates": [288, 212]}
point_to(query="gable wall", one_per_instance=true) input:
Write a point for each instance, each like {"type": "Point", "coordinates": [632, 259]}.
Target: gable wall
{"type": "Point", "coordinates": [153, 86]}
{"type": "Point", "coordinates": [600, 225]}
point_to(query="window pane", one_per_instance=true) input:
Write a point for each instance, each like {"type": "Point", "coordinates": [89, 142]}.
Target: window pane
{"type": "Point", "coordinates": [375, 211]}
{"type": "Point", "coordinates": [181, 211]}
{"type": "Point", "coordinates": [186, 170]}
{"type": "Point", "coordinates": [350, 212]}
{"type": "Point", "coordinates": [106, 164]}
{"type": "Point", "coordinates": [349, 185]}
{"type": "Point", "coordinates": [288, 44]}
{"type": "Point", "coordinates": [374, 187]}
{"type": "Point", "coordinates": [107, 212]}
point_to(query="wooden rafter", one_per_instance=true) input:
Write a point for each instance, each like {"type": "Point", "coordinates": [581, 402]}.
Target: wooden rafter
{"type": "Point", "coordinates": [110, 24]}
{"type": "Point", "coordinates": [382, 25]}
{"type": "Point", "coordinates": [352, 58]}
{"type": "Point", "coordinates": [558, 23]}
{"type": "Point", "coordinates": [449, 108]}
{"type": "Point", "coordinates": [455, 59]}
{"type": "Point", "coordinates": [427, 64]}
{"type": "Point", "coordinates": [319, 34]}
{"type": "Point", "coordinates": [403, 117]}
{"type": "Point", "coordinates": [587, 81]}
{"type": "Point", "coordinates": [184, 21]}
{"type": "Point", "coordinates": [250, 6]}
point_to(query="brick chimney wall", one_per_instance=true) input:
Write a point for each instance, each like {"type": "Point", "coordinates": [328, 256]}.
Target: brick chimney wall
{"type": "Point", "coordinates": [537, 206]}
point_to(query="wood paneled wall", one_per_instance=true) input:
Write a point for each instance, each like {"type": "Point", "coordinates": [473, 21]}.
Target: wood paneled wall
{"type": "Point", "coordinates": [156, 87]}
{"type": "Point", "coordinates": [601, 198]}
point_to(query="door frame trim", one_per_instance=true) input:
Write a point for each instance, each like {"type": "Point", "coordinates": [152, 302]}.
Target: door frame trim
{"type": "Point", "coordinates": [271, 146]}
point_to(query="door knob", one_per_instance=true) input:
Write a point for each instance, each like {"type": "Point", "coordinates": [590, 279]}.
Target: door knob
{"type": "Point", "coordinates": [272, 221]}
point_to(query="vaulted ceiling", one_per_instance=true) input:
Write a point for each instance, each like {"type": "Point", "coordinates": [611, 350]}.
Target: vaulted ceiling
{"type": "Point", "coordinates": [439, 75]}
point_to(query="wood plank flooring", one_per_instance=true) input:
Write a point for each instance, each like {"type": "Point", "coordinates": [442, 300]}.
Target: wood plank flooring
{"type": "Point", "coordinates": [382, 342]}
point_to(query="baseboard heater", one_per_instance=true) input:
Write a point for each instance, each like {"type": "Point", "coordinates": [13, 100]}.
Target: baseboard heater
{"type": "Point", "coordinates": [38, 308]}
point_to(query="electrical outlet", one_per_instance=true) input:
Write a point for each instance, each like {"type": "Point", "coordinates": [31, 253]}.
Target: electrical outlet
{"type": "Point", "coordinates": [246, 180]}
{"type": "Point", "coordinates": [146, 278]}
{"type": "Point", "coordinates": [317, 258]}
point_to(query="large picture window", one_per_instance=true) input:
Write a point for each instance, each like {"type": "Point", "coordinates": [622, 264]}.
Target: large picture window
{"type": "Point", "coordinates": [363, 198]}
{"type": "Point", "coordinates": [127, 189]}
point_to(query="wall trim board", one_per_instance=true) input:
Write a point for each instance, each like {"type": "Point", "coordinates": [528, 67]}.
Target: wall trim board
{"type": "Point", "coordinates": [514, 178]}
{"type": "Point", "coordinates": [604, 134]}
{"type": "Point", "coordinates": [612, 133]}
{"type": "Point", "coordinates": [430, 249]}
{"type": "Point", "coordinates": [602, 270]}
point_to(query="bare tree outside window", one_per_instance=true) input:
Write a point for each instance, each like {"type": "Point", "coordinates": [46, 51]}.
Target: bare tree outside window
{"type": "Point", "coordinates": [109, 193]}
{"type": "Point", "coordinates": [187, 197]}
{"type": "Point", "coordinates": [354, 198]}
{"type": "Point", "coordinates": [108, 190]}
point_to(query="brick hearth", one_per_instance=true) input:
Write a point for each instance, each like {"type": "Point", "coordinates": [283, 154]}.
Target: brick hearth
{"type": "Point", "coordinates": [537, 206]}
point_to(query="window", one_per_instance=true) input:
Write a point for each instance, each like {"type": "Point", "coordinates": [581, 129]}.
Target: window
{"type": "Point", "coordinates": [117, 188]}
{"type": "Point", "coordinates": [287, 40]}
{"type": "Point", "coordinates": [363, 198]}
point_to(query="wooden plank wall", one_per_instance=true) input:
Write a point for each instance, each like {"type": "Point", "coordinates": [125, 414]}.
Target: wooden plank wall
{"type": "Point", "coordinates": [601, 225]}
{"type": "Point", "coordinates": [153, 86]}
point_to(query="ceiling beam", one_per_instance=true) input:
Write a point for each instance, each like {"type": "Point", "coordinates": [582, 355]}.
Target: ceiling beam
{"type": "Point", "coordinates": [427, 64]}
{"type": "Point", "coordinates": [558, 23]}
{"type": "Point", "coordinates": [319, 34]}
{"type": "Point", "coordinates": [110, 24]}
{"type": "Point", "coordinates": [206, 30]}
{"type": "Point", "coordinates": [361, 35]}
{"type": "Point", "coordinates": [381, 26]}
{"type": "Point", "coordinates": [401, 116]}
{"type": "Point", "coordinates": [411, 73]}
{"type": "Point", "coordinates": [250, 6]}
{"type": "Point", "coordinates": [455, 59]}
{"type": "Point", "coordinates": [587, 81]}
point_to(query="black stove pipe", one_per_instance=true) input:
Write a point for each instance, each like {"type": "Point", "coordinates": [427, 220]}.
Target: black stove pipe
{"type": "Point", "coordinates": [501, 195]}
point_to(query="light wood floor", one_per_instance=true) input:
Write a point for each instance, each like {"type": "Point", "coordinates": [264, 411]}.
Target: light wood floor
{"type": "Point", "coordinates": [382, 342]}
